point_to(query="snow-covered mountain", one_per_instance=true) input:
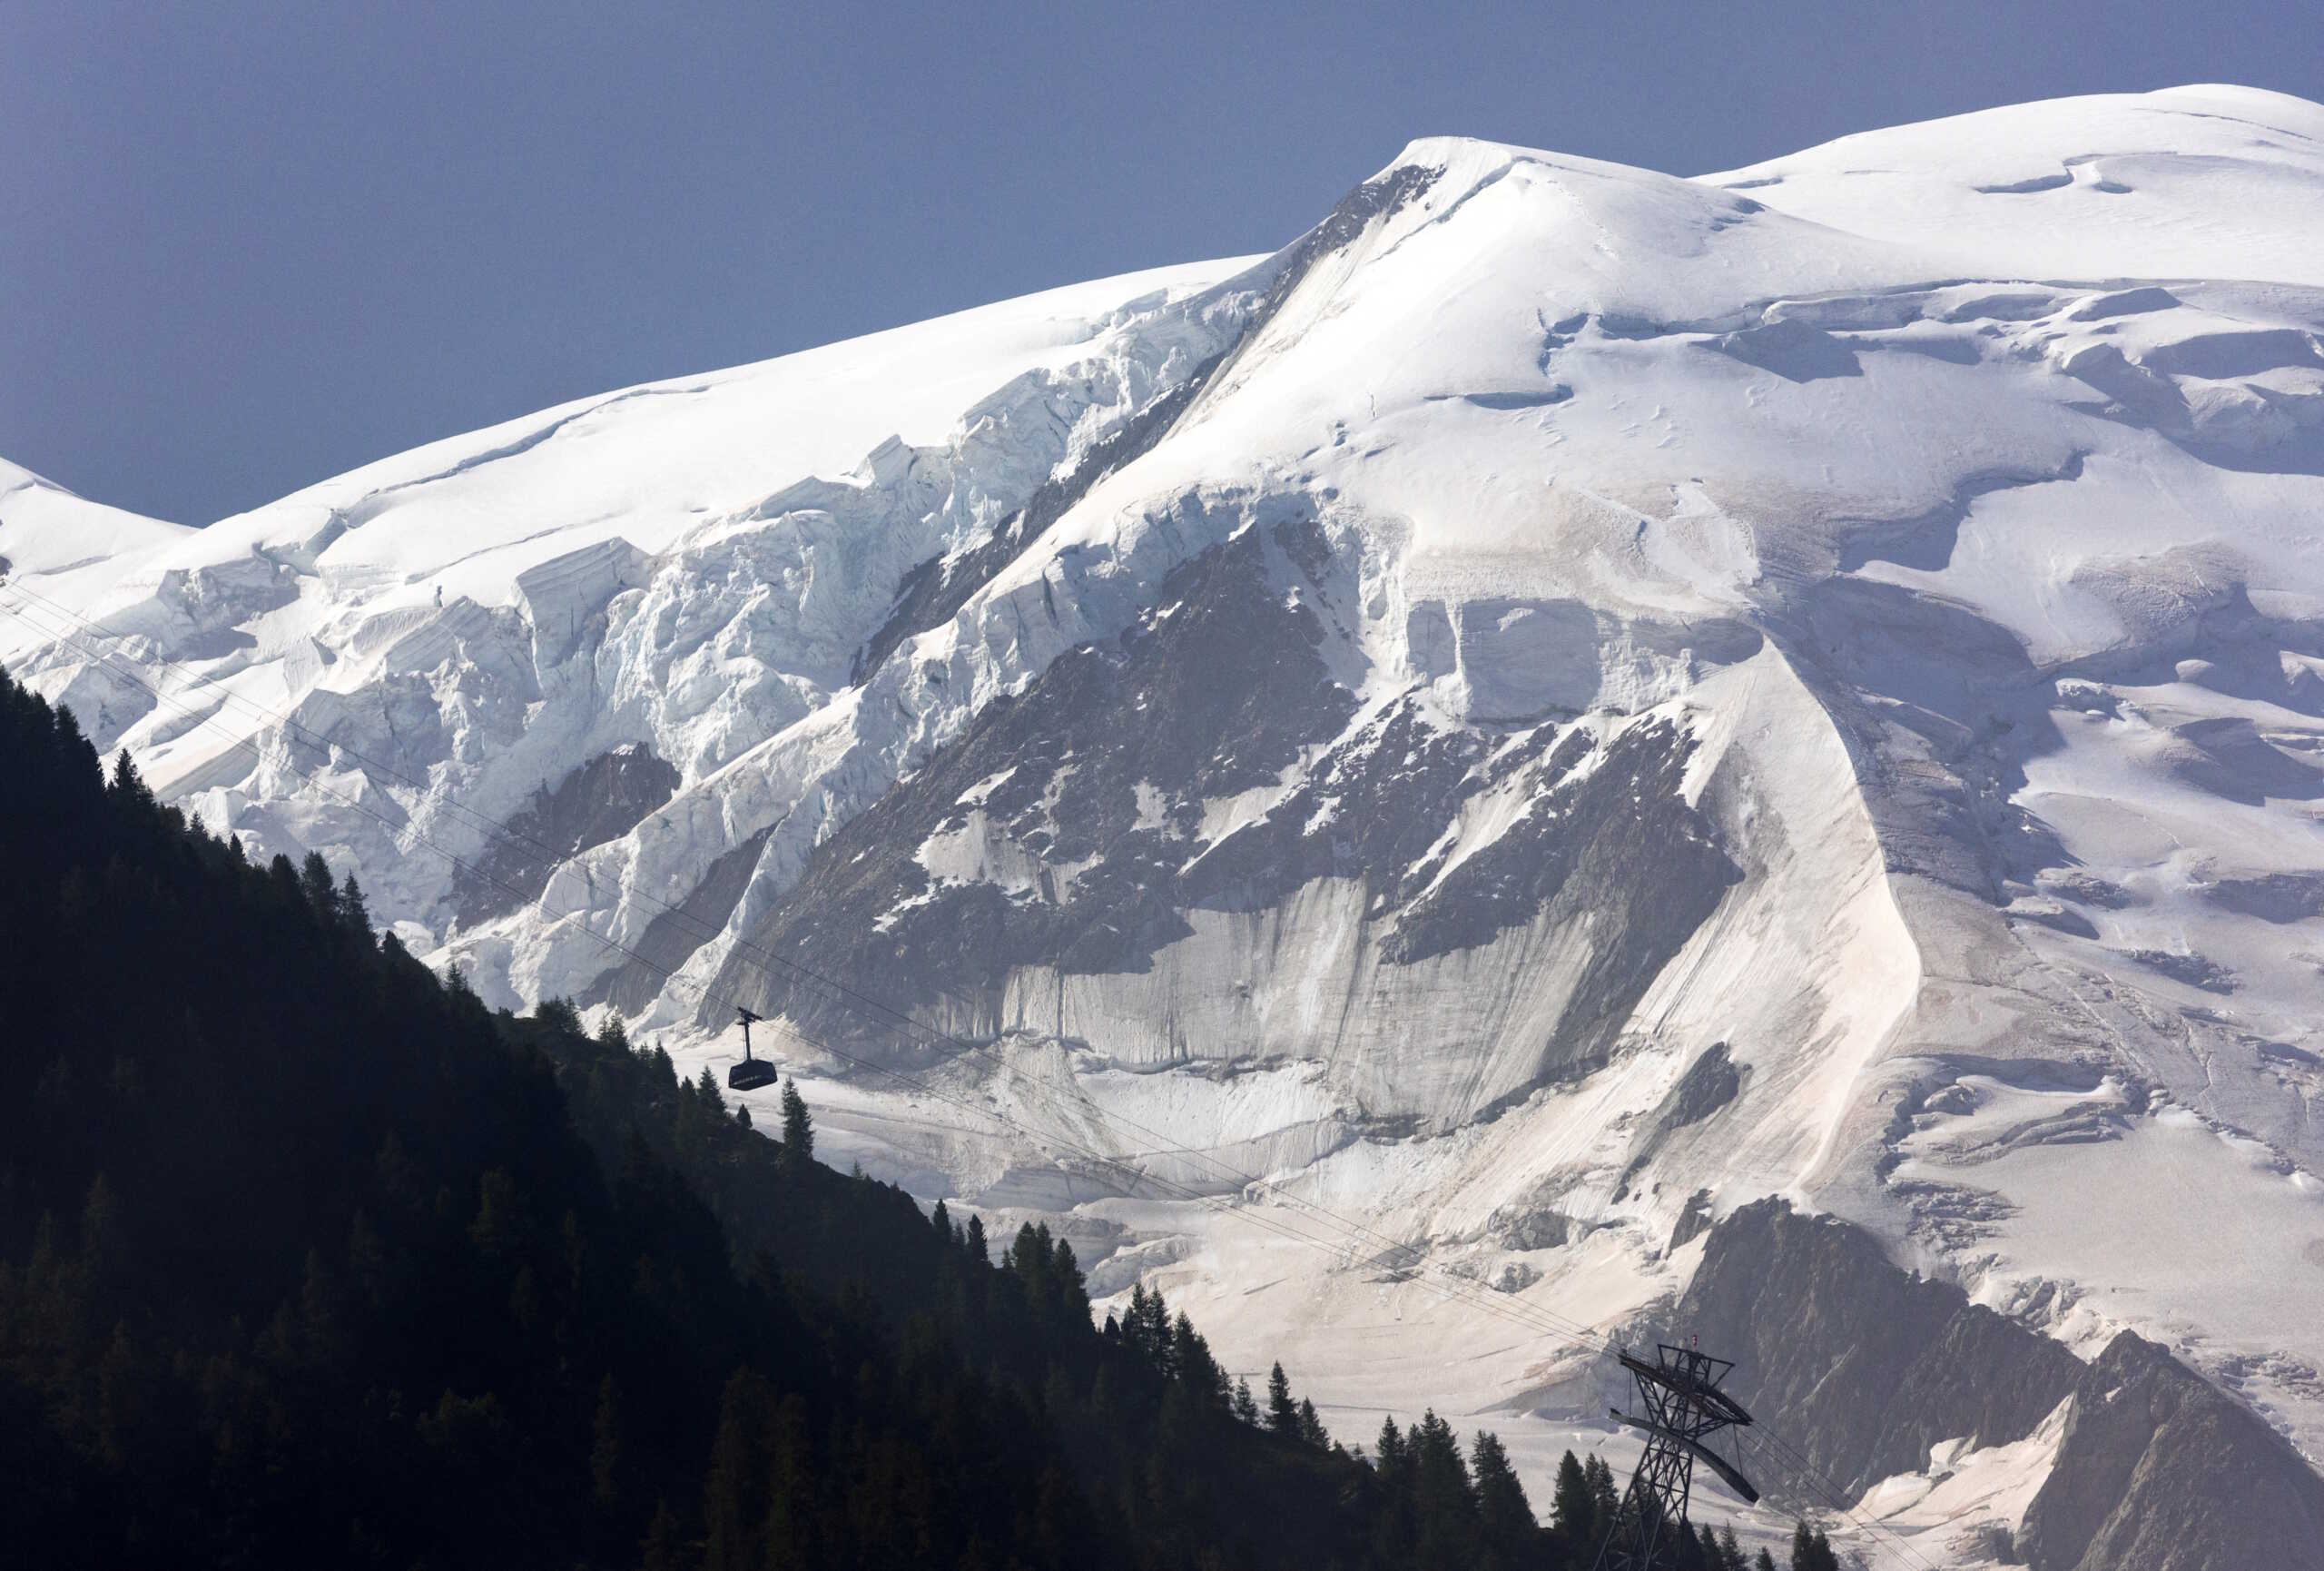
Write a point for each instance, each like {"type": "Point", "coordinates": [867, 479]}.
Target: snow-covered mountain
{"type": "Point", "coordinates": [1563, 703]}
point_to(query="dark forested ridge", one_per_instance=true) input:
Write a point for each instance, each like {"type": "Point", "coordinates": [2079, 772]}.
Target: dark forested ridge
{"type": "Point", "coordinates": [307, 1257]}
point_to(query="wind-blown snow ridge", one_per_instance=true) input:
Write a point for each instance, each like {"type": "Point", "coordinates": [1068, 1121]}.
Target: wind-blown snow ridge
{"type": "Point", "coordinates": [1393, 717]}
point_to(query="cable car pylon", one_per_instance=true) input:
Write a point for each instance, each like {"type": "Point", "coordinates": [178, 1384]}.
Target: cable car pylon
{"type": "Point", "coordinates": [752, 1072]}
{"type": "Point", "coordinates": [1680, 1406]}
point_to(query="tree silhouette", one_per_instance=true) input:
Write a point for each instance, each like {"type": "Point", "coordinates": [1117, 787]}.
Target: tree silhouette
{"type": "Point", "coordinates": [798, 1129]}
{"type": "Point", "coordinates": [1283, 1414]}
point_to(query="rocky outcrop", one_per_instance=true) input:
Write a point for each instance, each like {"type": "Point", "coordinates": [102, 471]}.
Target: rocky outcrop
{"type": "Point", "coordinates": [1710, 1083]}
{"type": "Point", "coordinates": [1864, 1365]}
{"type": "Point", "coordinates": [1694, 1220]}
{"type": "Point", "coordinates": [1860, 1365]}
{"type": "Point", "coordinates": [602, 800]}
{"type": "Point", "coordinates": [672, 937]}
{"type": "Point", "coordinates": [936, 589]}
{"type": "Point", "coordinates": [2162, 1471]}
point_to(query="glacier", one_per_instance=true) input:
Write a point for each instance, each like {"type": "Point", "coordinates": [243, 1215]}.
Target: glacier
{"type": "Point", "coordinates": [1387, 788]}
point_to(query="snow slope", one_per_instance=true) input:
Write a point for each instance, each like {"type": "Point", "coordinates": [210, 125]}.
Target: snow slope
{"type": "Point", "coordinates": [1564, 702]}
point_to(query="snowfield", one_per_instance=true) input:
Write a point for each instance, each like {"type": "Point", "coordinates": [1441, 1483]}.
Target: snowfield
{"type": "Point", "coordinates": [1382, 787]}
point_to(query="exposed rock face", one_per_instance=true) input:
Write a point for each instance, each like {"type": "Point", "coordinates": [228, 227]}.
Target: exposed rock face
{"type": "Point", "coordinates": [1710, 1083]}
{"type": "Point", "coordinates": [1694, 1220]}
{"type": "Point", "coordinates": [2162, 1471]}
{"type": "Point", "coordinates": [1865, 1366]}
{"type": "Point", "coordinates": [1520, 1227]}
{"type": "Point", "coordinates": [602, 800]}
{"type": "Point", "coordinates": [671, 939]}
{"type": "Point", "coordinates": [2278, 897]}
{"type": "Point", "coordinates": [1860, 1365]}
{"type": "Point", "coordinates": [933, 592]}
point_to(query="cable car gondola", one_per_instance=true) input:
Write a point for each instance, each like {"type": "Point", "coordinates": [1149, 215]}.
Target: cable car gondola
{"type": "Point", "coordinates": [752, 1072]}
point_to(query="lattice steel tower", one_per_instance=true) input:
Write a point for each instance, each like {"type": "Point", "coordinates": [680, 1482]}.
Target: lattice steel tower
{"type": "Point", "coordinates": [1680, 1408]}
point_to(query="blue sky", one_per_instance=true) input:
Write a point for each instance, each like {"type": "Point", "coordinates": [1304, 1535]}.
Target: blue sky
{"type": "Point", "coordinates": [250, 246]}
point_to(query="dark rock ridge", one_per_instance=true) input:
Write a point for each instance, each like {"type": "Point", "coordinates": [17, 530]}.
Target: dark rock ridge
{"type": "Point", "coordinates": [2193, 970]}
{"type": "Point", "coordinates": [1377, 198]}
{"type": "Point", "coordinates": [1860, 1365]}
{"type": "Point", "coordinates": [671, 939]}
{"type": "Point", "coordinates": [935, 590]}
{"type": "Point", "coordinates": [2161, 1470]}
{"type": "Point", "coordinates": [602, 800]}
{"type": "Point", "coordinates": [1710, 1083]}
{"type": "Point", "coordinates": [1694, 1220]}
{"type": "Point", "coordinates": [2278, 897]}
{"type": "Point", "coordinates": [1864, 1367]}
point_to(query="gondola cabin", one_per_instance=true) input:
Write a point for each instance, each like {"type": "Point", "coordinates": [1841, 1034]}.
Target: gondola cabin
{"type": "Point", "coordinates": [752, 1072]}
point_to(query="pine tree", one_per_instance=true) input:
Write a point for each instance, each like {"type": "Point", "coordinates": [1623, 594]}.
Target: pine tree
{"type": "Point", "coordinates": [314, 880]}
{"type": "Point", "coordinates": [1608, 1499]}
{"type": "Point", "coordinates": [1311, 1427]}
{"type": "Point", "coordinates": [1445, 1496]}
{"type": "Point", "coordinates": [1283, 1414]}
{"type": "Point", "coordinates": [1191, 1361]}
{"type": "Point", "coordinates": [1391, 1447]}
{"type": "Point", "coordinates": [1504, 1517]}
{"type": "Point", "coordinates": [1146, 1330]}
{"type": "Point", "coordinates": [100, 1230]}
{"type": "Point", "coordinates": [1247, 1407]}
{"type": "Point", "coordinates": [353, 911]}
{"type": "Point", "coordinates": [1134, 1320]}
{"type": "Point", "coordinates": [1765, 1562]}
{"type": "Point", "coordinates": [1574, 1509]}
{"type": "Point", "coordinates": [1730, 1552]}
{"type": "Point", "coordinates": [1067, 1292]}
{"type": "Point", "coordinates": [1811, 1550]}
{"type": "Point", "coordinates": [799, 1136]}
{"type": "Point", "coordinates": [128, 786]}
